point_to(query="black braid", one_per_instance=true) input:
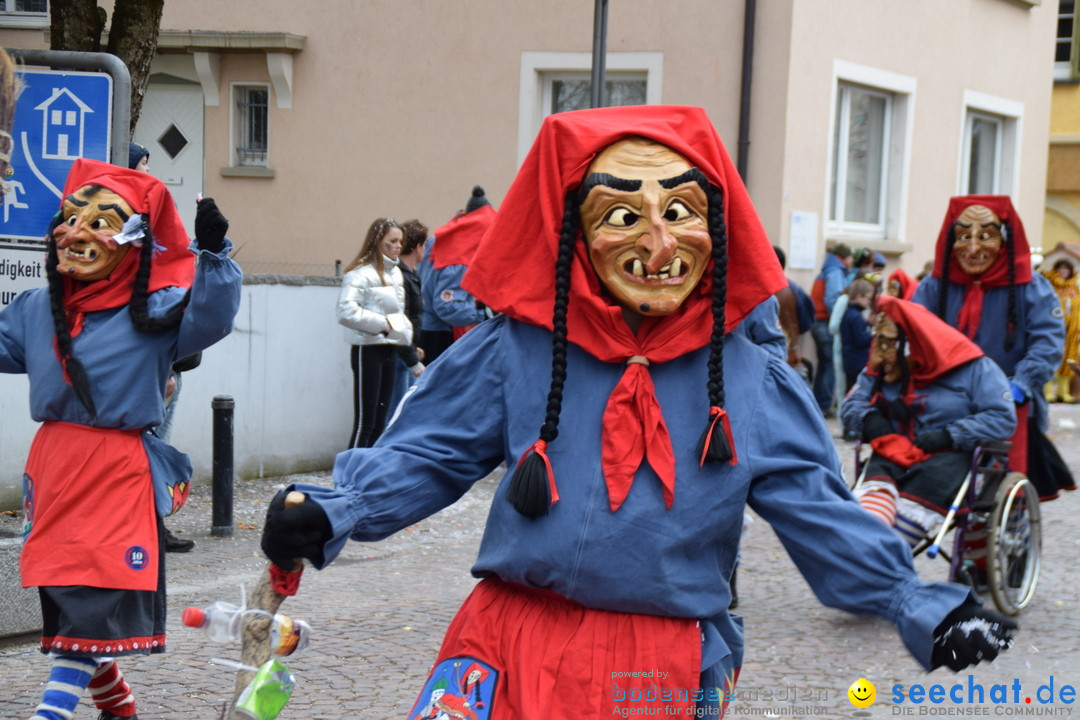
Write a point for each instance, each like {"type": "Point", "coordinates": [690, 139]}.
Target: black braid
{"type": "Point", "coordinates": [529, 491]}
{"type": "Point", "coordinates": [718, 232]}
{"type": "Point", "coordinates": [943, 290]}
{"type": "Point", "coordinates": [80, 382]}
{"type": "Point", "coordinates": [140, 294]}
{"type": "Point", "coordinates": [1010, 327]}
{"type": "Point", "coordinates": [567, 238]}
{"type": "Point", "coordinates": [714, 444]}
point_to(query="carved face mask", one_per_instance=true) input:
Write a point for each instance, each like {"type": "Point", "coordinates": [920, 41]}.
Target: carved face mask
{"type": "Point", "coordinates": [885, 357]}
{"type": "Point", "coordinates": [85, 247]}
{"type": "Point", "coordinates": [977, 239]}
{"type": "Point", "coordinates": [644, 222]}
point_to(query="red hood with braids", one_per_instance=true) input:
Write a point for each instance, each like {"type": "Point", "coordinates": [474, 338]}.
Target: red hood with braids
{"type": "Point", "coordinates": [536, 240]}
{"type": "Point", "coordinates": [513, 269]}
{"type": "Point", "coordinates": [173, 263]}
{"type": "Point", "coordinates": [933, 346]}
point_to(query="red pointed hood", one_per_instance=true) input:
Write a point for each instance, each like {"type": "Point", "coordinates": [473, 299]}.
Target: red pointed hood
{"type": "Point", "coordinates": [906, 282]}
{"type": "Point", "coordinates": [933, 346]}
{"type": "Point", "coordinates": [998, 273]}
{"type": "Point", "coordinates": [513, 271]}
{"type": "Point", "coordinates": [173, 262]}
{"type": "Point", "coordinates": [457, 240]}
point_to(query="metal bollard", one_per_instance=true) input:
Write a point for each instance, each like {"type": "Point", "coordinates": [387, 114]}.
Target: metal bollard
{"type": "Point", "coordinates": [221, 523]}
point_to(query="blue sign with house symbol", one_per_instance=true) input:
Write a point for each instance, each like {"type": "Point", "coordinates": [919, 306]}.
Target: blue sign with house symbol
{"type": "Point", "coordinates": [60, 116]}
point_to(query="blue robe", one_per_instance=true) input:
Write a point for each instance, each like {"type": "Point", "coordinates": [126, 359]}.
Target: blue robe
{"type": "Point", "coordinates": [1040, 334]}
{"type": "Point", "coordinates": [482, 404]}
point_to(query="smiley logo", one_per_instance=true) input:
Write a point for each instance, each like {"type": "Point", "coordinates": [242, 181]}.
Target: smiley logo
{"type": "Point", "coordinates": [862, 693]}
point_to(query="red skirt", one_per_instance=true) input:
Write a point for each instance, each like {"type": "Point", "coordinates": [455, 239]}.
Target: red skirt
{"type": "Point", "coordinates": [89, 505]}
{"type": "Point", "coordinates": [514, 653]}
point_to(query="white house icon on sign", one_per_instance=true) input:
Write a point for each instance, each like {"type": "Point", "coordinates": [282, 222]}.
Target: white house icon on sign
{"type": "Point", "coordinates": [63, 118]}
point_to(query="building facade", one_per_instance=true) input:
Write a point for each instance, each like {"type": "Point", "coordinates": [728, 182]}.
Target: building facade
{"type": "Point", "coordinates": [858, 119]}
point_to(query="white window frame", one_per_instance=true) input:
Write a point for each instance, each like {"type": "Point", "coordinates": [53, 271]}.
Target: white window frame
{"type": "Point", "coordinates": [236, 119]}
{"type": "Point", "coordinates": [538, 69]}
{"type": "Point", "coordinates": [1010, 114]}
{"type": "Point", "coordinates": [11, 18]}
{"type": "Point", "coordinates": [897, 160]}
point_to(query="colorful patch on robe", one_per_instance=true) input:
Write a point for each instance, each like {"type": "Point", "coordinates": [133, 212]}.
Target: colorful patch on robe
{"type": "Point", "coordinates": [461, 688]}
{"type": "Point", "coordinates": [136, 557]}
{"type": "Point", "coordinates": [28, 504]}
{"type": "Point", "coordinates": [447, 295]}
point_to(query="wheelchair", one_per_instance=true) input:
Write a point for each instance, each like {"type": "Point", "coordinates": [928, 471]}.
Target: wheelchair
{"type": "Point", "coordinates": [1007, 503]}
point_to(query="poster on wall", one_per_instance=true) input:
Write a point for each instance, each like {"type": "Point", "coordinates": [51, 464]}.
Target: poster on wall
{"type": "Point", "coordinates": [804, 243]}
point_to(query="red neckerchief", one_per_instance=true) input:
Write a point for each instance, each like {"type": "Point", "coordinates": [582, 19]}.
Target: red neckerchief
{"type": "Point", "coordinates": [513, 271]}
{"type": "Point", "coordinates": [998, 274]}
{"type": "Point", "coordinates": [457, 240]}
{"type": "Point", "coordinates": [112, 292]}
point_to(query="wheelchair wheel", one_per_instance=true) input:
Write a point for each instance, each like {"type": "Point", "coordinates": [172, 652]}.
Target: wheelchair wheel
{"type": "Point", "coordinates": [1015, 544]}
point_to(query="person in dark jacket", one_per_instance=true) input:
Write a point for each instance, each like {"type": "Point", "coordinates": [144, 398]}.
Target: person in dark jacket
{"type": "Point", "coordinates": [411, 357]}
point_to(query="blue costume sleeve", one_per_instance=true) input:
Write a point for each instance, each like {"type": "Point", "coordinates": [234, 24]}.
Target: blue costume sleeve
{"type": "Point", "coordinates": [215, 300]}
{"type": "Point", "coordinates": [1044, 335]}
{"type": "Point", "coordinates": [926, 293]}
{"type": "Point", "coordinates": [416, 469]}
{"type": "Point", "coordinates": [762, 327]}
{"type": "Point", "coordinates": [993, 416]}
{"type": "Point", "coordinates": [857, 402]}
{"type": "Point", "coordinates": [851, 560]}
{"type": "Point", "coordinates": [12, 335]}
{"type": "Point", "coordinates": [453, 305]}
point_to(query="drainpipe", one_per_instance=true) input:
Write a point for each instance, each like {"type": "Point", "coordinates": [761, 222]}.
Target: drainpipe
{"type": "Point", "coordinates": [599, 53]}
{"type": "Point", "coordinates": [747, 82]}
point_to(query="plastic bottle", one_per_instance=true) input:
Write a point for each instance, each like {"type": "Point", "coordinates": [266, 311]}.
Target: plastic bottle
{"type": "Point", "coordinates": [221, 621]}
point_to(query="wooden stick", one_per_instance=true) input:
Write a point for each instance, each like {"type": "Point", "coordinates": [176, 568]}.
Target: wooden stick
{"type": "Point", "coordinates": [255, 628]}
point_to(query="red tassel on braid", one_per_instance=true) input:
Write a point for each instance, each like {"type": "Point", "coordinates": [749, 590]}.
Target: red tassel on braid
{"type": "Point", "coordinates": [716, 443]}
{"type": "Point", "coordinates": [532, 488]}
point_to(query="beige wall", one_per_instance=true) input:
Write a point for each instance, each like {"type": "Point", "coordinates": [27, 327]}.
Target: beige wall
{"type": "Point", "coordinates": [936, 44]}
{"type": "Point", "coordinates": [398, 107]}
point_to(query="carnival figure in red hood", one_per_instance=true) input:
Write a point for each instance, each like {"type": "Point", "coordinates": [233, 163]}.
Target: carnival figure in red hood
{"type": "Point", "coordinates": [449, 310]}
{"type": "Point", "coordinates": [982, 284]}
{"type": "Point", "coordinates": [636, 426]}
{"type": "Point", "coordinates": [927, 397]}
{"type": "Point", "coordinates": [124, 301]}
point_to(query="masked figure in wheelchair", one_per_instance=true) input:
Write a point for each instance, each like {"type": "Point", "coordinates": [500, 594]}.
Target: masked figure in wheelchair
{"type": "Point", "coordinates": [927, 397]}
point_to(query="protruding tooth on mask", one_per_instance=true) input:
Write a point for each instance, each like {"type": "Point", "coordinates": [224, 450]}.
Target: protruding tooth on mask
{"type": "Point", "coordinates": [638, 268]}
{"type": "Point", "coordinates": [676, 267]}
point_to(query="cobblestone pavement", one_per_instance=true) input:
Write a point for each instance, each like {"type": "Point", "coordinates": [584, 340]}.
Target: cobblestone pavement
{"type": "Point", "coordinates": [379, 613]}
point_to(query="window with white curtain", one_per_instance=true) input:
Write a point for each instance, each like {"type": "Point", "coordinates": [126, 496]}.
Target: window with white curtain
{"type": "Point", "coordinates": [861, 139]}
{"type": "Point", "coordinates": [989, 145]}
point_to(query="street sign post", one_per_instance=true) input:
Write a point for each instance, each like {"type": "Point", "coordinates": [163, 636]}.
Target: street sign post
{"type": "Point", "coordinates": [60, 116]}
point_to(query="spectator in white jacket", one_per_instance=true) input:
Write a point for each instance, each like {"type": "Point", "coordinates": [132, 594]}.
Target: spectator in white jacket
{"type": "Point", "coordinates": [372, 308]}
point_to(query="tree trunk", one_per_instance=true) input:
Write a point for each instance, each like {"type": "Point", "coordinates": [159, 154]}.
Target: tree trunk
{"type": "Point", "coordinates": [133, 38]}
{"type": "Point", "coordinates": [75, 25]}
{"type": "Point", "coordinates": [78, 25]}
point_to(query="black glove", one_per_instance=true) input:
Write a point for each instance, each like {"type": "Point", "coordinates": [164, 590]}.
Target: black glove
{"type": "Point", "coordinates": [968, 635]}
{"type": "Point", "coordinates": [210, 226]}
{"type": "Point", "coordinates": [874, 425]}
{"type": "Point", "coordinates": [294, 532]}
{"type": "Point", "coordinates": [933, 441]}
